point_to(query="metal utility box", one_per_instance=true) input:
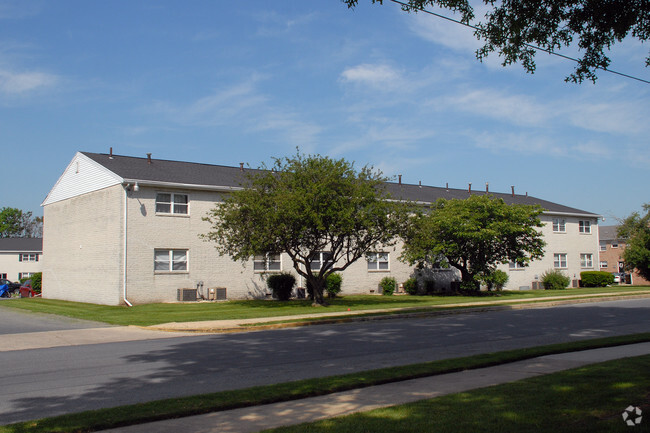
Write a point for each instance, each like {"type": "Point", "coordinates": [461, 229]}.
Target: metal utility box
{"type": "Point", "coordinates": [186, 295]}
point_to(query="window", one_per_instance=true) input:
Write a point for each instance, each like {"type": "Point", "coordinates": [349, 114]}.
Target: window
{"type": "Point", "coordinates": [603, 246]}
{"type": "Point", "coordinates": [603, 264]}
{"type": "Point", "coordinates": [170, 260]}
{"type": "Point", "coordinates": [377, 261]}
{"type": "Point", "coordinates": [559, 260]}
{"type": "Point", "coordinates": [559, 225]}
{"type": "Point", "coordinates": [614, 244]}
{"type": "Point", "coordinates": [586, 260]}
{"type": "Point", "coordinates": [172, 203]}
{"type": "Point", "coordinates": [22, 275]}
{"type": "Point", "coordinates": [584, 226]}
{"type": "Point", "coordinates": [319, 260]}
{"type": "Point", "coordinates": [515, 265]}
{"type": "Point", "coordinates": [28, 257]}
{"type": "Point", "coordinates": [267, 262]}
{"type": "Point", "coordinates": [3, 276]}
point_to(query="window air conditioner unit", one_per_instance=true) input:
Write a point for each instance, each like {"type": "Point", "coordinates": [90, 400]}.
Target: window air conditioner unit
{"type": "Point", "coordinates": [186, 295]}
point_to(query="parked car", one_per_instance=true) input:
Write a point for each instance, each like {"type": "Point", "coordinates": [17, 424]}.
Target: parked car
{"type": "Point", "coordinates": [618, 277]}
{"type": "Point", "coordinates": [26, 290]}
{"type": "Point", "coordinates": [13, 287]}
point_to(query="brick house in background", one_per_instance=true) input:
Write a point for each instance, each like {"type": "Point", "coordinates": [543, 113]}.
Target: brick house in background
{"type": "Point", "coordinates": [611, 254]}
{"type": "Point", "coordinates": [133, 224]}
{"type": "Point", "coordinates": [20, 257]}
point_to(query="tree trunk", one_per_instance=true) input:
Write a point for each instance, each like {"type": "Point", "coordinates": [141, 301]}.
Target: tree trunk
{"type": "Point", "coordinates": [317, 285]}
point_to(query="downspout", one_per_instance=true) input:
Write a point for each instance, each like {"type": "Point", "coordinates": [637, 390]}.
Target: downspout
{"type": "Point", "coordinates": [126, 214]}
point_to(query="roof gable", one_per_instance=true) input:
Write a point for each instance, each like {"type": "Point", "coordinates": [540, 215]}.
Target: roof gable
{"type": "Point", "coordinates": [81, 176]}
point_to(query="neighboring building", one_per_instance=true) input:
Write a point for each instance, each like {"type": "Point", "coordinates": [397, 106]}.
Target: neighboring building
{"type": "Point", "coordinates": [20, 257]}
{"type": "Point", "coordinates": [131, 226]}
{"type": "Point", "coordinates": [611, 255]}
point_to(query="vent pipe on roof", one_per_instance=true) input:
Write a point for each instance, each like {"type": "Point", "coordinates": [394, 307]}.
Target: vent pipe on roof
{"type": "Point", "coordinates": [526, 193]}
{"type": "Point", "coordinates": [420, 184]}
{"type": "Point", "coordinates": [487, 187]}
{"type": "Point", "coordinates": [469, 189]}
{"type": "Point", "coordinates": [110, 156]}
{"type": "Point", "coordinates": [447, 186]}
{"type": "Point", "coordinates": [241, 166]}
{"type": "Point", "coordinates": [513, 190]}
{"type": "Point", "coordinates": [148, 158]}
{"type": "Point", "coordinates": [399, 177]}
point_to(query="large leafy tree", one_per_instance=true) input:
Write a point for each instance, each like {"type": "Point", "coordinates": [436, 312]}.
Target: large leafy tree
{"type": "Point", "coordinates": [473, 235]}
{"type": "Point", "coordinates": [310, 207]}
{"type": "Point", "coordinates": [635, 229]}
{"type": "Point", "coordinates": [513, 28]}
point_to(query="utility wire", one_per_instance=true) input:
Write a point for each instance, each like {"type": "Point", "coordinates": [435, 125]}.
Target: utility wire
{"type": "Point", "coordinates": [528, 45]}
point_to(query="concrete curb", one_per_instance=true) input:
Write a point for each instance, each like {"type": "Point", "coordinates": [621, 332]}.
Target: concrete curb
{"type": "Point", "coordinates": [267, 323]}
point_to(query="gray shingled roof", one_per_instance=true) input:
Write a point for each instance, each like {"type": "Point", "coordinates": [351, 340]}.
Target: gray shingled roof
{"type": "Point", "coordinates": [608, 233]}
{"type": "Point", "coordinates": [21, 244]}
{"type": "Point", "coordinates": [192, 173]}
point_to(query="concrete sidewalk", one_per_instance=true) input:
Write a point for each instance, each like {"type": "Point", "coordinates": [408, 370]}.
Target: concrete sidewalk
{"type": "Point", "coordinates": [254, 419]}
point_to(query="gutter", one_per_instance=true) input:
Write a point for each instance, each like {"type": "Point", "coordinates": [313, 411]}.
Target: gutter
{"type": "Point", "coordinates": [156, 183]}
{"type": "Point", "coordinates": [126, 214]}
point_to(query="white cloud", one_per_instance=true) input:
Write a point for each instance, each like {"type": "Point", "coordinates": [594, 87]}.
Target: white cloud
{"type": "Point", "coordinates": [443, 32]}
{"type": "Point", "coordinates": [22, 82]}
{"type": "Point", "coordinates": [371, 75]}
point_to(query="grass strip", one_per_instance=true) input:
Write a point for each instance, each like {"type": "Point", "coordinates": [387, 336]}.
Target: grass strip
{"type": "Point", "coordinates": [178, 407]}
{"type": "Point", "coordinates": [587, 399]}
{"type": "Point", "coordinates": [153, 314]}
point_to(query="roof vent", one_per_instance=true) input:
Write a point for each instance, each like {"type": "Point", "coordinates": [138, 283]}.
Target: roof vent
{"type": "Point", "coordinates": [241, 166]}
{"type": "Point", "coordinates": [487, 188]}
{"type": "Point", "coordinates": [447, 186]}
{"type": "Point", "coordinates": [469, 189]}
{"type": "Point", "coordinates": [420, 184]}
{"type": "Point", "coordinates": [148, 158]}
{"type": "Point", "coordinates": [110, 156]}
{"type": "Point", "coordinates": [513, 190]}
{"type": "Point", "coordinates": [399, 177]}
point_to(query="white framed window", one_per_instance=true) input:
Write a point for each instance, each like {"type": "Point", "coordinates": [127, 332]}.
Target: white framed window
{"type": "Point", "coordinates": [170, 260]}
{"type": "Point", "coordinates": [319, 260]}
{"type": "Point", "coordinates": [22, 275]}
{"type": "Point", "coordinates": [28, 257]}
{"type": "Point", "coordinates": [584, 226]}
{"type": "Point", "coordinates": [603, 263]}
{"type": "Point", "coordinates": [514, 265]}
{"type": "Point", "coordinates": [171, 203]}
{"type": "Point", "coordinates": [559, 261]}
{"type": "Point", "coordinates": [559, 225]}
{"type": "Point", "coordinates": [378, 261]}
{"type": "Point", "coordinates": [267, 262]}
{"type": "Point", "coordinates": [614, 244]}
{"type": "Point", "coordinates": [586, 260]}
{"type": "Point", "coordinates": [603, 246]}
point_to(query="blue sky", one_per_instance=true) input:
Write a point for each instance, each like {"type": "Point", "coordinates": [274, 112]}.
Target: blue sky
{"type": "Point", "coordinates": [229, 82]}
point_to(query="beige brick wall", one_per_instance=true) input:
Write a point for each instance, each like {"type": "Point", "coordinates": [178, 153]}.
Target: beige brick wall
{"type": "Point", "coordinates": [82, 247]}
{"type": "Point", "coordinates": [571, 242]}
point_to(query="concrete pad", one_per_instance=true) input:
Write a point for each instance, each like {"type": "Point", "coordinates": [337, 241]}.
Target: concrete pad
{"type": "Point", "coordinates": [77, 337]}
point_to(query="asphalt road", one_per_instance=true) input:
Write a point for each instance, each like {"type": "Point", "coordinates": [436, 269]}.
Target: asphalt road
{"type": "Point", "coordinates": [19, 322]}
{"type": "Point", "coordinates": [44, 382]}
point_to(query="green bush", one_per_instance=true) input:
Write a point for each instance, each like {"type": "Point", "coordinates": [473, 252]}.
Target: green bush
{"type": "Point", "coordinates": [281, 285]}
{"type": "Point", "coordinates": [36, 281]}
{"type": "Point", "coordinates": [387, 285]}
{"type": "Point", "coordinates": [596, 278]}
{"type": "Point", "coordinates": [411, 286]}
{"type": "Point", "coordinates": [554, 279]}
{"type": "Point", "coordinates": [333, 285]}
{"type": "Point", "coordinates": [496, 280]}
{"type": "Point", "coordinates": [429, 286]}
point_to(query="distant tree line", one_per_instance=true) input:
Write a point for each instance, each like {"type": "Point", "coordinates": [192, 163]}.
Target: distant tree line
{"type": "Point", "coordinates": [15, 223]}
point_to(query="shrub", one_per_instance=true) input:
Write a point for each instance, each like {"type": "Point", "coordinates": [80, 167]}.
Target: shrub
{"type": "Point", "coordinates": [36, 281]}
{"type": "Point", "coordinates": [411, 286]}
{"type": "Point", "coordinates": [281, 285]}
{"type": "Point", "coordinates": [496, 280]}
{"type": "Point", "coordinates": [429, 286]}
{"type": "Point", "coordinates": [554, 279]}
{"type": "Point", "coordinates": [387, 285]}
{"type": "Point", "coordinates": [333, 285]}
{"type": "Point", "coordinates": [596, 278]}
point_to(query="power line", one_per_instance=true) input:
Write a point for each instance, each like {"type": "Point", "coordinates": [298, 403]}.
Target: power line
{"type": "Point", "coordinates": [528, 45]}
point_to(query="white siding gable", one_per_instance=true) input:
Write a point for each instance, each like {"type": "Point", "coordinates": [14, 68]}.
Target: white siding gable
{"type": "Point", "coordinates": [83, 175]}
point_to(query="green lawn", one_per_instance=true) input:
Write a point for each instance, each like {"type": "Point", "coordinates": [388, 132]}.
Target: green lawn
{"type": "Point", "coordinates": [589, 399]}
{"type": "Point", "coordinates": [151, 314]}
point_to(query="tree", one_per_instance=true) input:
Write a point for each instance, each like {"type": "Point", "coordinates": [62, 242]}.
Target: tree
{"type": "Point", "coordinates": [515, 28]}
{"type": "Point", "coordinates": [14, 223]}
{"type": "Point", "coordinates": [635, 229]}
{"type": "Point", "coordinates": [473, 235]}
{"type": "Point", "coordinates": [323, 213]}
